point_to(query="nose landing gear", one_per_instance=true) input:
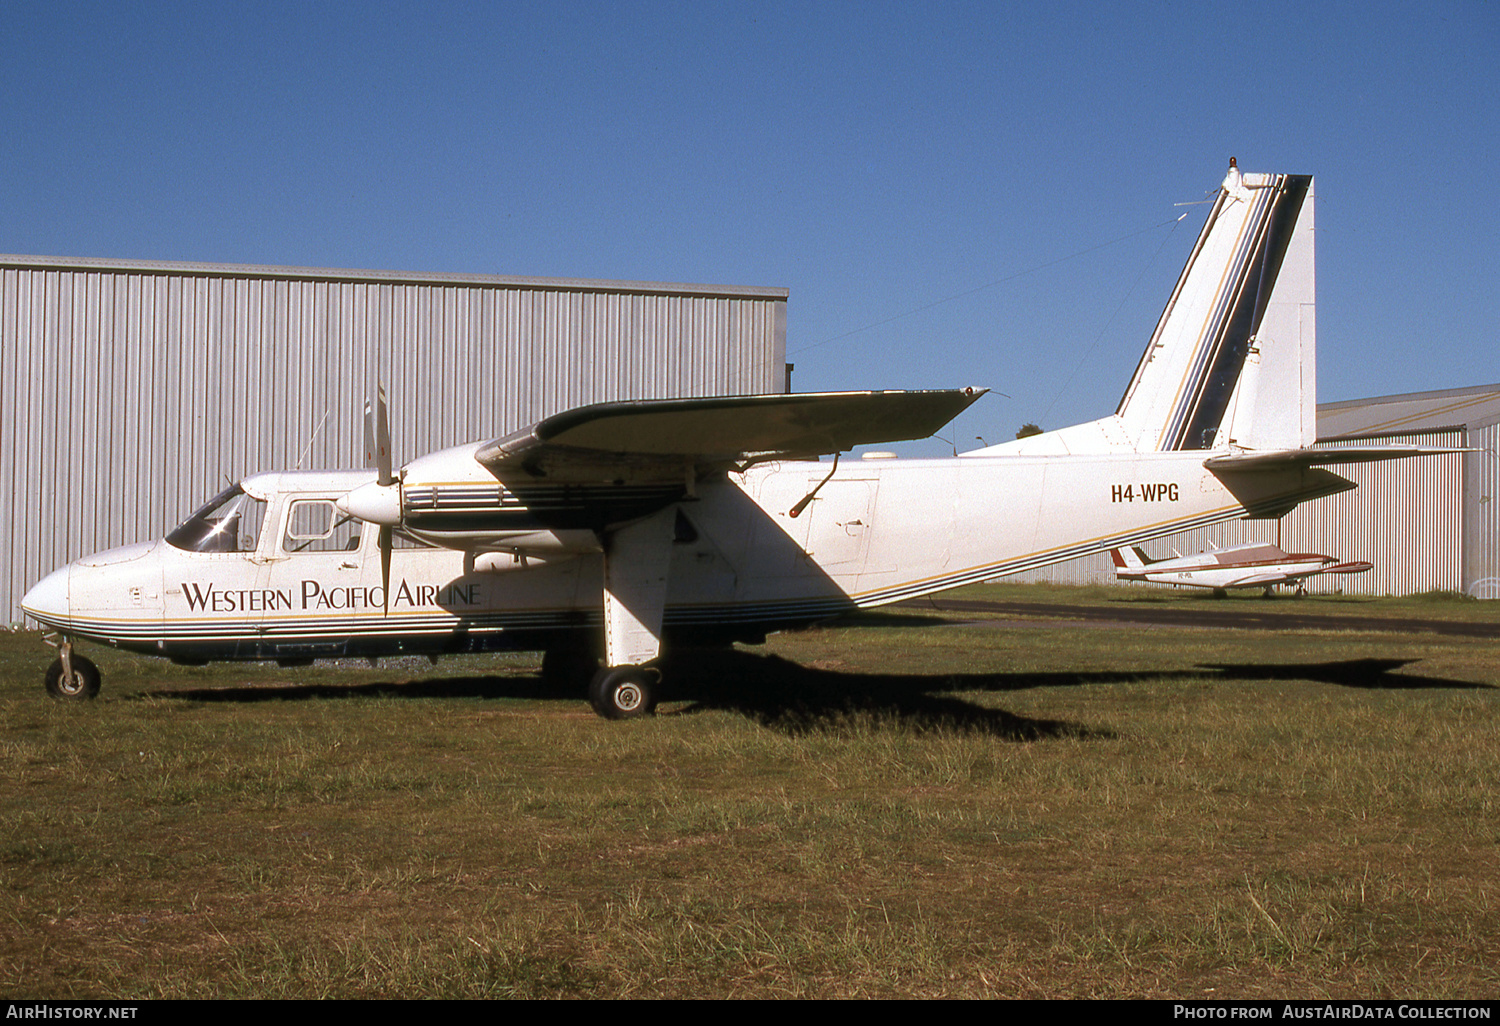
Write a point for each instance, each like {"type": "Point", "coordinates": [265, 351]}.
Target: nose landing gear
{"type": "Point", "coordinates": [71, 677]}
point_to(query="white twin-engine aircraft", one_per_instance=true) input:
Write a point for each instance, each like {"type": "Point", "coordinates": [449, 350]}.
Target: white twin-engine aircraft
{"type": "Point", "coordinates": [1256, 565]}
{"type": "Point", "coordinates": [599, 533]}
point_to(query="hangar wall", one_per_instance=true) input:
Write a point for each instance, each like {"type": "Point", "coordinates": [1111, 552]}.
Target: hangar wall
{"type": "Point", "coordinates": [1405, 517]}
{"type": "Point", "coordinates": [131, 392]}
{"type": "Point", "coordinates": [1482, 530]}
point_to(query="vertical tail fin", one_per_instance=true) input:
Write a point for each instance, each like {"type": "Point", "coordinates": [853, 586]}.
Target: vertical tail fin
{"type": "Point", "coordinates": [1133, 558]}
{"type": "Point", "coordinates": [1232, 359]}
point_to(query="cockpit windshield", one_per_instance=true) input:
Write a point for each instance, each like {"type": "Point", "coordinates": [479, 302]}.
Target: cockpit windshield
{"type": "Point", "coordinates": [230, 522]}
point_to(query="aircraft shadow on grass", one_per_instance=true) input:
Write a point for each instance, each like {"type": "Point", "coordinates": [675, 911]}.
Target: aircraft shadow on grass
{"type": "Point", "coordinates": [1371, 674]}
{"type": "Point", "coordinates": [786, 696]}
{"type": "Point", "coordinates": [774, 692]}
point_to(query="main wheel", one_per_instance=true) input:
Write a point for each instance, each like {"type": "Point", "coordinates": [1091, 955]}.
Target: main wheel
{"type": "Point", "coordinates": [81, 686]}
{"type": "Point", "coordinates": [623, 692]}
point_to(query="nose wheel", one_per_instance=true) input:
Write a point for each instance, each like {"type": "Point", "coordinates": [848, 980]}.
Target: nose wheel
{"type": "Point", "coordinates": [73, 678]}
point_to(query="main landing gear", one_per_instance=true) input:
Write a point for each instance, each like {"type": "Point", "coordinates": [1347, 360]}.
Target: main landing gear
{"type": "Point", "coordinates": [615, 692]}
{"type": "Point", "coordinates": [624, 692]}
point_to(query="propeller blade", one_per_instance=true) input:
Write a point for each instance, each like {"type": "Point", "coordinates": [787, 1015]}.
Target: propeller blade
{"type": "Point", "coordinates": [385, 569]}
{"type": "Point", "coordinates": [369, 434]}
{"type": "Point", "coordinates": [386, 506]}
{"type": "Point", "coordinates": [381, 433]}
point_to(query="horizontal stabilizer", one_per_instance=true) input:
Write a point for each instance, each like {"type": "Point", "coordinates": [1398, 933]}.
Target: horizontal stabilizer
{"type": "Point", "coordinates": [673, 433]}
{"type": "Point", "coordinates": [1321, 456]}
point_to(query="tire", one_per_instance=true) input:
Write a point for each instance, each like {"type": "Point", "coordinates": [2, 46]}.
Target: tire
{"type": "Point", "coordinates": [83, 686]}
{"type": "Point", "coordinates": [623, 692]}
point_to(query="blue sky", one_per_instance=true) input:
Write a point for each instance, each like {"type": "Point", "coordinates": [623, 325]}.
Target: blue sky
{"type": "Point", "coordinates": [955, 194]}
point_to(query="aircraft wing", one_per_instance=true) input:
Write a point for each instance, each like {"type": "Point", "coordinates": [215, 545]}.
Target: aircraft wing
{"type": "Point", "coordinates": [1261, 579]}
{"type": "Point", "coordinates": [666, 436]}
{"type": "Point", "coordinates": [1320, 456]}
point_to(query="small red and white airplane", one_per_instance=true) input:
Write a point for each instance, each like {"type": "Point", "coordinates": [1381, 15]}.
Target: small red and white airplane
{"type": "Point", "coordinates": [1257, 565]}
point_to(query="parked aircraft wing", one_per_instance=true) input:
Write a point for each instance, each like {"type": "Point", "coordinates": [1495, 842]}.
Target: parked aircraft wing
{"type": "Point", "coordinates": [1322, 456]}
{"type": "Point", "coordinates": [1254, 580]}
{"type": "Point", "coordinates": [669, 434]}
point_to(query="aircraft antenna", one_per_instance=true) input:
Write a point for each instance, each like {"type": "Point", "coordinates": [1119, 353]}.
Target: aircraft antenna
{"type": "Point", "coordinates": [796, 510]}
{"type": "Point", "coordinates": [312, 438]}
{"type": "Point", "coordinates": [988, 285]}
{"type": "Point", "coordinates": [1047, 413]}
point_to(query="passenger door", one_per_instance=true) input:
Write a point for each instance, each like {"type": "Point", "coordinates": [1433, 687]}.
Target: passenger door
{"type": "Point", "coordinates": [320, 593]}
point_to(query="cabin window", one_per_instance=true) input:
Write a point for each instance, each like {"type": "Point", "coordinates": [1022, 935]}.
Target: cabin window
{"type": "Point", "coordinates": [230, 522]}
{"type": "Point", "coordinates": [316, 525]}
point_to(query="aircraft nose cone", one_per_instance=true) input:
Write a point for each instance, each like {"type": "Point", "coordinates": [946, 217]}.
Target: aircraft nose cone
{"type": "Point", "coordinates": [373, 503]}
{"type": "Point", "coordinates": [47, 600]}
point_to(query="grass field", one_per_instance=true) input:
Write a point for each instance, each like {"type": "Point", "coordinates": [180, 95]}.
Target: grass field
{"type": "Point", "coordinates": [912, 803]}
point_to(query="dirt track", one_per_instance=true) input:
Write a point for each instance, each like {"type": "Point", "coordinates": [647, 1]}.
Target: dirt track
{"type": "Point", "coordinates": [1274, 617]}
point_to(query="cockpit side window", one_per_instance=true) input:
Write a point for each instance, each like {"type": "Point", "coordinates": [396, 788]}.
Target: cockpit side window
{"type": "Point", "coordinates": [316, 525]}
{"type": "Point", "coordinates": [230, 522]}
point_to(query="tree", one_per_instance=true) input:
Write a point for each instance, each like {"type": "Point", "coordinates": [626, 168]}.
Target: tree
{"type": "Point", "coordinates": [1027, 430]}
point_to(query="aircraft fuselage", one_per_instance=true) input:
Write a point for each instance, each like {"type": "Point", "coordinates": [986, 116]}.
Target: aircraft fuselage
{"type": "Point", "coordinates": [877, 531]}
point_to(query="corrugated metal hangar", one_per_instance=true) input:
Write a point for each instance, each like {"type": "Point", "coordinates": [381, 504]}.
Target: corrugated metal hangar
{"type": "Point", "coordinates": [1428, 524]}
{"type": "Point", "coordinates": [130, 392]}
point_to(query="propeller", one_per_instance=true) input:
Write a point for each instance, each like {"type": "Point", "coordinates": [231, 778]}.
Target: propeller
{"type": "Point", "coordinates": [380, 505]}
{"type": "Point", "coordinates": [378, 438]}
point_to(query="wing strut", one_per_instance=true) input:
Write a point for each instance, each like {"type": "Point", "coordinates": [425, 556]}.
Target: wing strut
{"type": "Point", "coordinates": [636, 557]}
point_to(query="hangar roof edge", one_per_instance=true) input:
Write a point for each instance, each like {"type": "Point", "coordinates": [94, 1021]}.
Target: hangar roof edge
{"type": "Point", "coordinates": [339, 274]}
{"type": "Point", "coordinates": [1474, 406]}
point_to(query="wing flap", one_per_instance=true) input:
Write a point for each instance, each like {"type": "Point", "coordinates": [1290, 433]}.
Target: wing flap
{"type": "Point", "coordinates": [670, 434]}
